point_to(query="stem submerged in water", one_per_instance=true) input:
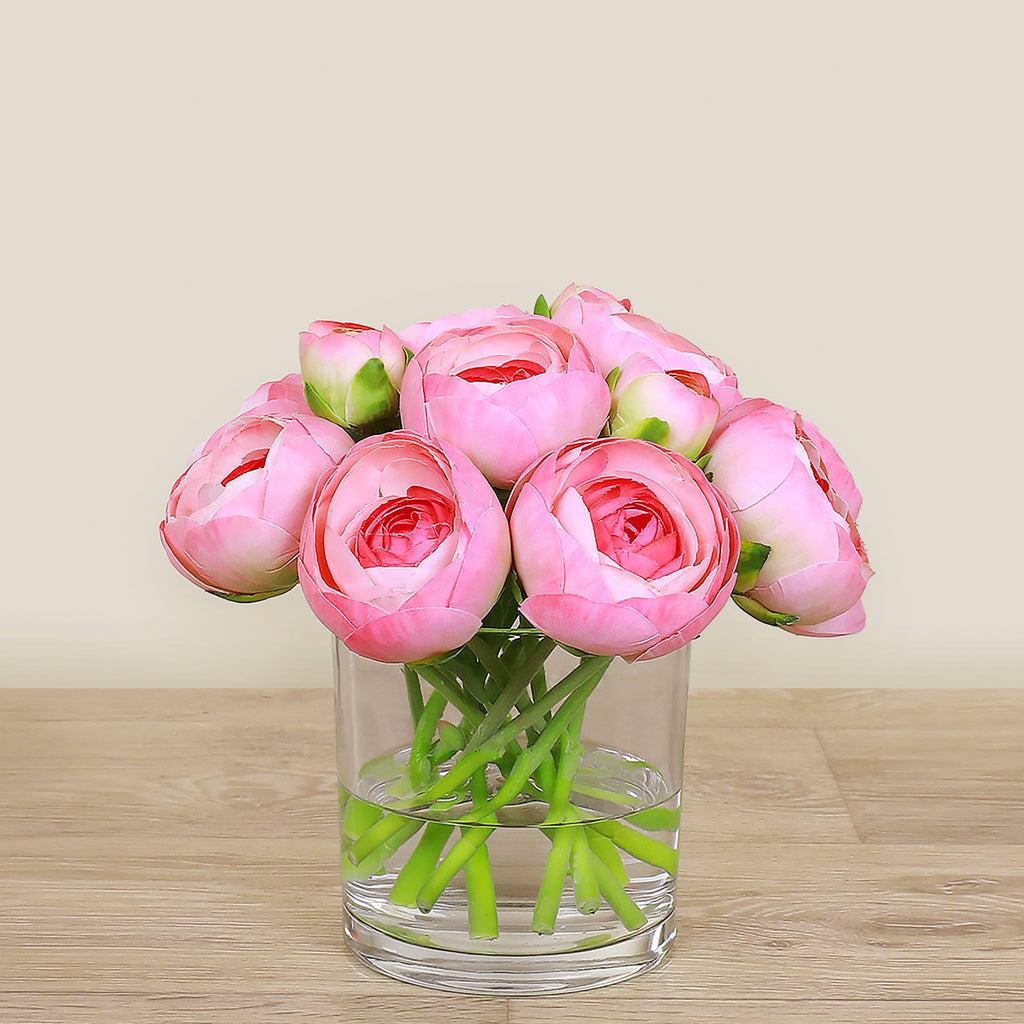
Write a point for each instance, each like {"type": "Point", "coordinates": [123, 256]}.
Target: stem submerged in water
{"type": "Point", "coordinates": [531, 735]}
{"type": "Point", "coordinates": [550, 896]}
{"type": "Point", "coordinates": [419, 865]}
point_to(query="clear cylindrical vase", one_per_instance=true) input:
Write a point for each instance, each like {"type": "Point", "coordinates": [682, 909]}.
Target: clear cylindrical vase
{"type": "Point", "coordinates": [510, 816]}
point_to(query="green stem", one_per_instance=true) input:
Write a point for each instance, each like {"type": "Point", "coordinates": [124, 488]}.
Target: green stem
{"type": "Point", "coordinates": [651, 851]}
{"type": "Point", "coordinates": [374, 861]}
{"type": "Point", "coordinates": [480, 899]}
{"type": "Point", "coordinates": [559, 810]}
{"type": "Point", "coordinates": [419, 865]}
{"type": "Point", "coordinates": [357, 815]}
{"type": "Point", "coordinates": [452, 691]}
{"type": "Point", "coordinates": [527, 763]}
{"type": "Point", "coordinates": [473, 676]}
{"type": "Point", "coordinates": [482, 905]}
{"type": "Point", "coordinates": [382, 832]}
{"type": "Point", "coordinates": [655, 819]}
{"type": "Point", "coordinates": [604, 794]}
{"type": "Point", "coordinates": [584, 879]}
{"type": "Point", "coordinates": [539, 686]}
{"type": "Point", "coordinates": [549, 898]}
{"type": "Point", "coordinates": [412, 686]}
{"type": "Point", "coordinates": [535, 713]}
{"type": "Point", "coordinates": [513, 690]}
{"type": "Point", "coordinates": [617, 898]}
{"type": "Point", "coordinates": [601, 846]}
{"type": "Point", "coordinates": [424, 735]}
{"type": "Point", "coordinates": [544, 776]}
{"type": "Point", "coordinates": [568, 763]}
{"type": "Point", "coordinates": [584, 677]}
{"type": "Point", "coordinates": [486, 656]}
{"type": "Point", "coordinates": [452, 862]}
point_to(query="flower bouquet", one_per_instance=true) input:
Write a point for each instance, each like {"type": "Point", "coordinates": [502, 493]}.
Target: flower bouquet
{"type": "Point", "coordinates": [514, 524]}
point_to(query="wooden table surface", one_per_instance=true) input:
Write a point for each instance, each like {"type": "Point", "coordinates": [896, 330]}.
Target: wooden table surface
{"type": "Point", "coordinates": [172, 855]}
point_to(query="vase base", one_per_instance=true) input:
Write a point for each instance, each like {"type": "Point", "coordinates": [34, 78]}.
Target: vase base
{"type": "Point", "coordinates": [503, 975]}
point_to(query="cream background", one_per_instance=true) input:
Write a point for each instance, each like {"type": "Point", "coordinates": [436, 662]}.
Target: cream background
{"type": "Point", "coordinates": [826, 195]}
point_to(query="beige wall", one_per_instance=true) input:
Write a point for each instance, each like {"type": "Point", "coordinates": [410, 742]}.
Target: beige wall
{"type": "Point", "coordinates": [828, 196]}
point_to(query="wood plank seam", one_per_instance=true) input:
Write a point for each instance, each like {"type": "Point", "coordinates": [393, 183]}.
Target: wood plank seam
{"type": "Point", "coordinates": [839, 787]}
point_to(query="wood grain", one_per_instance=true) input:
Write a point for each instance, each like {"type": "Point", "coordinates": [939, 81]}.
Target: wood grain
{"type": "Point", "coordinates": [904, 785]}
{"type": "Point", "coordinates": [245, 1008]}
{"type": "Point", "coordinates": [172, 855]}
{"type": "Point", "coordinates": [666, 1010]}
{"type": "Point", "coordinates": [760, 785]}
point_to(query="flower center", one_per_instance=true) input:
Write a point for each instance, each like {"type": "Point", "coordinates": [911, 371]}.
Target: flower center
{"type": "Point", "coordinates": [347, 328]}
{"type": "Point", "coordinates": [404, 530]}
{"type": "Point", "coordinates": [632, 527]}
{"type": "Point", "coordinates": [696, 382]}
{"type": "Point", "coordinates": [504, 373]}
{"type": "Point", "coordinates": [257, 461]}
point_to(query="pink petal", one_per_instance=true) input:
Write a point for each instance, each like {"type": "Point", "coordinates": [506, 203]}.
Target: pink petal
{"type": "Point", "coordinates": [497, 443]}
{"type": "Point", "coordinates": [236, 554]}
{"type": "Point", "coordinates": [413, 634]}
{"type": "Point", "coordinates": [816, 593]}
{"type": "Point", "coordinates": [839, 476]}
{"type": "Point", "coordinates": [690, 630]}
{"type": "Point", "coordinates": [536, 543]}
{"type": "Point", "coordinates": [752, 450]}
{"type": "Point", "coordinates": [588, 626]}
{"type": "Point", "coordinates": [797, 520]}
{"type": "Point", "coordinates": [850, 621]}
{"type": "Point", "coordinates": [557, 408]}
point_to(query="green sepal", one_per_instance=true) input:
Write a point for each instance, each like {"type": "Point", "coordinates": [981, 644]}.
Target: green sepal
{"type": "Point", "coordinates": [541, 307]}
{"type": "Point", "coordinates": [703, 461]}
{"type": "Point", "coordinates": [613, 377]}
{"type": "Point", "coordinates": [409, 354]}
{"type": "Point", "coordinates": [251, 598]}
{"type": "Point", "coordinates": [752, 557]}
{"type": "Point", "coordinates": [438, 659]}
{"type": "Point", "coordinates": [371, 395]}
{"type": "Point", "coordinates": [319, 405]}
{"type": "Point", "coordinates": [762, 614]}
{"type": "Point", "coordinates": [650, 429]}
{"type": "Point", "coordinates": [516, 588]}
{"type": "Point", "coordinates": [576, 653]}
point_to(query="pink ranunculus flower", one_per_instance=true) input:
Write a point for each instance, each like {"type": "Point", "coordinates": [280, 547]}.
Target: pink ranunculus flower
{"type": "Point", "coordinates": [234, 517]}
{"type": "Point", "coordinates": [351, 373]}
{"type": "Point", "coordinates": [674, 408]}
{"type": "Point", "coordinates": [415, 336]}
{"type": "Point", "coordinates": [622, 547]}
{"type": "Point", "coordinates": [283, 398]}
{"type": "Point", "coordinates": [404, 550]}
{"type": "Point", "coordinates": [788, 489]}
{"type": "Point", "coordinates": [614, 336]}
{"type": "Point", "coordinates": [505, 393]}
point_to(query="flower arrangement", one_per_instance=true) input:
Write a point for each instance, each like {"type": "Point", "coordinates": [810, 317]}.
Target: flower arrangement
{"type": "Point", "coordinates": [464, 496]}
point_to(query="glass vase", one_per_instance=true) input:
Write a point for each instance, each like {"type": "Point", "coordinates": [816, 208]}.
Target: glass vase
{"type": "Point", "coordinates": [510, 816]}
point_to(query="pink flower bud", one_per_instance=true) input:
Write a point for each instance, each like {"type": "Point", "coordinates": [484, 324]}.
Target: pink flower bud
{"type": "Point", "coordinates": [674, 408]}
{"type": "Point", "coordinates": [351, 373]}
{"type": "Point", "coordinates": [789, 489]}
